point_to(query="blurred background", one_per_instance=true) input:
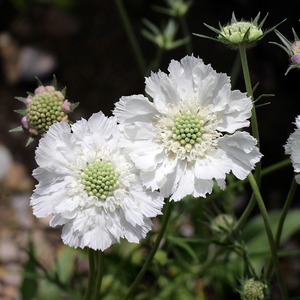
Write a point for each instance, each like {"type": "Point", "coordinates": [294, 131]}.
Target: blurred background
{"type": "Point", "coordinates": [84, 43]}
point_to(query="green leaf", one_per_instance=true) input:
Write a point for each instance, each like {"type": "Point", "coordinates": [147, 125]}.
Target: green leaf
{"type": "Point", "coordinates": [256, 239]}
{"type": "Point", "coordinates": [29, 283]}
{"type": "Point", "coordinates": [185, 246]}
{"type": "Point", "coordinates": [64, 263]}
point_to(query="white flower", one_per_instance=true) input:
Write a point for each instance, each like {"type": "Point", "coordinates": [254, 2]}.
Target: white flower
{"type": "Point", "coordinates": [187, 137]}
{"type": "Point", "coordinates": [292, 147]}
{"type": "Point", "coordinates": [90, 187]}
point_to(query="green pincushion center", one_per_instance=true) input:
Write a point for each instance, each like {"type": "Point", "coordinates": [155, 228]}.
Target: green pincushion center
{"type": "Point", "coordinates": [45, 110]}
{"type": "Point", "coordinates": [100, 179]}
{"type": "Point", "coordinates": [188, 129]}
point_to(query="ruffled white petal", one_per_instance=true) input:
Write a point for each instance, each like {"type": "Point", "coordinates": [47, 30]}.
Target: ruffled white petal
{"type": "Point", "coordinates": [214, 166]}
{"type": "Point", "coordinates": [182, 76]}
{"type": "Point", "coordinates": [136, 108]}
{"type": "Point", "coordinates": [185, 185]}
{"type": "Point", "coordinates": [146, 149]}
{"type": "Point", "coordinates": [236, 113]}
{"type": "Point", "coordinates": [138, 131]}
{"type": "Point", "coordinates": [43, 205]}
{"type": "Point", "coordinates": [292, 147]}
{"type": "Point", "coordinates": [160, 88]}
{"type": "Point", "coordinates": [241, 149]}
{"type": "Point", "coordinates": [57, 150]}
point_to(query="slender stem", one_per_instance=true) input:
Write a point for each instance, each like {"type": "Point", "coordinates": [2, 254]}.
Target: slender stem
{"type": "Point", "coordinates": [131, 36]}
{"type": "Point", "coordinates": [186, 33]}
{"type": "Point", "coordinates": [100, 264]}
{"type": "Point", "coordinates": [235, 70]}
{"type": "Point", "coordinates": [249, 90]}
{"type": "Point", "coordinates": [282, 217]}
{"type": "Point", "coordinates": [140, 275]}
{"type": "Point", "coordinates": [91, 279]}
{"type": "Point", "coordinates": [156, 62]}
{"type": "Point", "coordinates": [245, 215]}
{"type": "Point", "coordinates": [269, 233]}
{"type": "Point", "coordinates": [285, 210]}
{"type": "Point", "coordinates": [275, 167]}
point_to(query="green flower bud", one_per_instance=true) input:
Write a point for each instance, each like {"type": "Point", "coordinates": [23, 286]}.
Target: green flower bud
{"type": "Point", "coordinates": [240, 32]}
{"type": "Point", "coordinates": [254, 290]}
{"type": "Point", "coordinates": [45, 107]}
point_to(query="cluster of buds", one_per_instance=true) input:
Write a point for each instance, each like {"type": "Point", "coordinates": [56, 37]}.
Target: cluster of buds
{"type": "Point", "coordinates": [253, 289]}
{"type": "Point", "coordinates": [291, 48]}
{"type": "Point", "coordinates": [45, 107]}
{"type": "Point", "coordinates": [240, 32]}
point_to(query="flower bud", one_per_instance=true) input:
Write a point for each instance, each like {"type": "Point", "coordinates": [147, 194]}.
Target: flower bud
{"type": "Point", "coordinates": [254, 290]}
{"type": "Point", "coordinates": [241, 32]}
{"type": "Point", "coordinates": [222, 223]}
{"type": "Point", "coordinates": [44, 107]}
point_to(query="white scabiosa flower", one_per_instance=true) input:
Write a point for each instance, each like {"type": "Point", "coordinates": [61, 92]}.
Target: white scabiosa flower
{"type": "Point", "coordinates": [292, 148]}
{"type": "Point", "coordinates": [90, 187]}
{"type": "Point", "coordinates": [187, 137]}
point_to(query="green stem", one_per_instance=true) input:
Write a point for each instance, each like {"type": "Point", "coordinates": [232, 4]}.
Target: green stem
{"type": "Point", "coordinates": [249, 90]}
{"type": "Point", "coordinates": [156, 62]}
{"type": "Point", "coordinates": [132, 39]}
{"type": "Point", "coordinates": [245, 215]}
{"type": "Point", "coordinates": [91, 279]}
{"type": "Point", "coordinates": [269, 233]}
{"type": "Point", "coordinates": [282, 217]}
{"type": "Point", "coordinates": [100, 264]}
{"type": "Point", "coordinates": [255, 132]}
{"type": "Point", "coordinates": [140, 275]}
{"type": "Point", "coordinates": [285, 210]}
{"type": "Point", "coordinates": [235, 70]}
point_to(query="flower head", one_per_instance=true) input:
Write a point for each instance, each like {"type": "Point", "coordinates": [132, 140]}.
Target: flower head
{"type": "Point", "coordinates": [46, 106]}
{"type": "Point", "coordinates": [292, 147]}
{"type": "Point", "coordinates": [291, 48]}
{"type": "Point", "coordinates": [88, 185]}
{"type": "Point", "coordinates": [222, 223]}
{"type": "Point", "coordinates": [163, 38]}
{"type": "Point", "coordinates": [239, 33]}
{"type": "Point", "coordinates": [188, 136]}
{"type": "Point", "coordinates": [253, 289]}
{"type": "Point", "coordinates": [175, 8]}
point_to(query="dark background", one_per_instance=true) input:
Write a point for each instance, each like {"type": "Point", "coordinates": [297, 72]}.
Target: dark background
{"type": "Point", "coordinates": [94, 60]}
